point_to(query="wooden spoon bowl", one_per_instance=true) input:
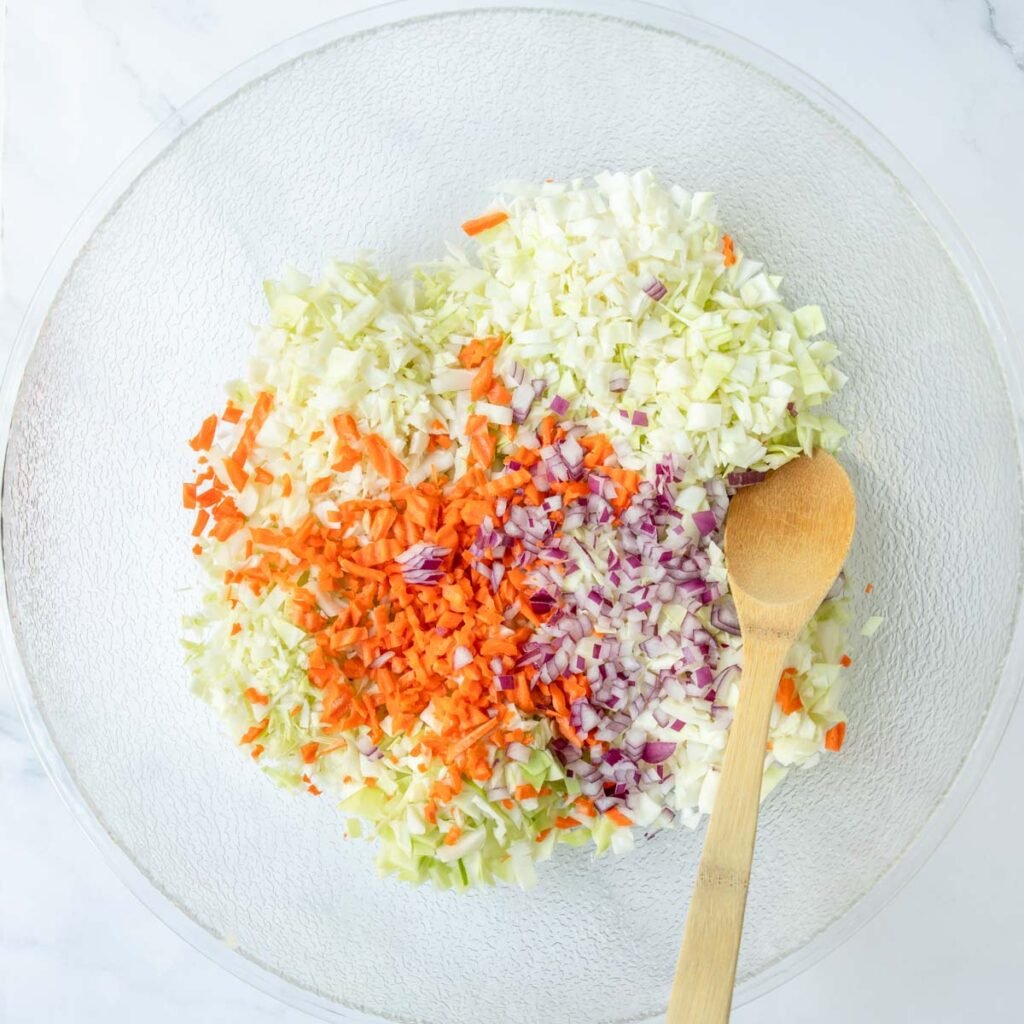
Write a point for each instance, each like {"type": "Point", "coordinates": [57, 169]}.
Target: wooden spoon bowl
{"type": "Point", "coordinates": [785, 542]}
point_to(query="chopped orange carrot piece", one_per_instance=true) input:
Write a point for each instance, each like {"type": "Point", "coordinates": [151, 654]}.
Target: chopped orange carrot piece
{"type": "Point", "coordinates": [483, 380]}
{"type": "Point", "coordinates": [484, 223]}
{"type": "Point", "coordinates": [204, 438]}
{"type": "Point", "coordinates": [202, 518]}
{"type": "Point", "coordinates": [255, 732]}
{"type": "Point", "coordinates": [835, 736]}
{"type": "Point", "coordinates": [787, 697]}
{"type": "Point", "coordinates": [238, 476]}
{"type": "Point", "coordinates": [727, 250]}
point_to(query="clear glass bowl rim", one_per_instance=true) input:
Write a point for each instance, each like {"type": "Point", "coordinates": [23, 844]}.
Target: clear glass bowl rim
{"type": "Point", "coordinates": [644, 13]}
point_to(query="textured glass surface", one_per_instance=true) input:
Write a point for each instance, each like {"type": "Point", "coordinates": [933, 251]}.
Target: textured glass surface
{"type": "Point", "coordinates": [388, 139]}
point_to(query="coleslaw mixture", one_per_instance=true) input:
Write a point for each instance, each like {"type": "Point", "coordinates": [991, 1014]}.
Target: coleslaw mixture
{"type": "Point", "coordinates": [460, 532]}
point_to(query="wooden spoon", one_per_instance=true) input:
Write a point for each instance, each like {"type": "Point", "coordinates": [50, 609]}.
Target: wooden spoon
{"type": "Point", "coordinates": [785, 540]}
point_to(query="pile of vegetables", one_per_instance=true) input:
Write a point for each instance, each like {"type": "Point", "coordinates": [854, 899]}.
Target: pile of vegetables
{"type": "Point", "coordinates": [461, 532]}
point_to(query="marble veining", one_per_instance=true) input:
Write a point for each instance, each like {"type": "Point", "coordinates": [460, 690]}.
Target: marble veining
{"type": "Point", "coordinates": [1004, 19]}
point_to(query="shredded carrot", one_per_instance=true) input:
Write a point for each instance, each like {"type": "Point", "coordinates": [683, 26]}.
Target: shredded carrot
{"type": "Point", "coordinates": [258, 416]}
{"type": "Point", "coordinates": [585, 806]}
{"type": "Point", "coordinates": [231, 414]}
{"type": "Point", "coordinates": [727, 250]}
{"type": "Point", "coordinates": [383, 459]}
{"type": "Point", "coordinates": [204, 438]}
{"type": "Point", "coordinates": [255, 731]}
{"type": "Point", "coordinates": [255, 697]}
{"type": "Point", "coordinates": [869, 588]}
{"type": "Point", "coordinates": [614, 814]}
{"type": "Point", "coordinates": [380, 551]}
{"type": "Point", "coordinates": [566, 823]}
{"type": "Point", "coordinates": [483, 445]}
{"type": "Point", "coordinates": [236, 628]}
{"type": "Point", "coordinates": [309, 752]}
{"type": "Point", "coordinates": [499, 394]}
{"type": "Point", "coordinates": [835, 736]}
{"type": "Point", "coordinates": [346, 428]}
{"type": "Point", "coordinates": [238, 476]}
{"type": "Point", "coordinates": [257, 751]}
{"type": "Point", "coordinates": [483, 380]}
{"type": "Point", "coordinates": [453, 835]}
{"type": "Point", "coordinates": [473, 353]}
{"type": "Point", "coordinates": [846, 661]}
{"type": "Point", "coordinates": [484, 223]}
{"type": "Point", "coordinates": [787, 697]}
{"type": "Point", "coordinates": [388, 654]}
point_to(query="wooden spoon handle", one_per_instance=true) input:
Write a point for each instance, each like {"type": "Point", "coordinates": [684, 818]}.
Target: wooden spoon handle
{"type": "Point", "coordinates": [702, 990]}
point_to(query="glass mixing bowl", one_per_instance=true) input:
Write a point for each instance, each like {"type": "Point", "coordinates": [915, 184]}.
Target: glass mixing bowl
{"type": "Point", "coordinates": [384, 130]}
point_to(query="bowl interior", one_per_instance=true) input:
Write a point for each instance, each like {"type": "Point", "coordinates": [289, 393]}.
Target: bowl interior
{"type": "Point", "coordinates": [387, 140]}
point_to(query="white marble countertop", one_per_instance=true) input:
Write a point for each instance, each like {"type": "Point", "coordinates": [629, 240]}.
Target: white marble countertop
{"type": "Point", "coordinates": [86, 82]}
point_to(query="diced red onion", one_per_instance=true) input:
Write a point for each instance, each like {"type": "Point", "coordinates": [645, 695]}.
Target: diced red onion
{"type": "Point", "coordinates": [728, 675]}
{"type": "Point", "coordinates": [703, 676]}
{"type": "Point", "coordinates": [656, 752]}
{"type": "Point", "coordinates": [724, 617]}
{"type": "Point", "coordinates": [706, 522]}
{"type": "Point", "coordinates": [655, 289]}
{"type": "Point", "coordinates": [522, 400]}
{"type": "Point", "coordinates": [745, 478]}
